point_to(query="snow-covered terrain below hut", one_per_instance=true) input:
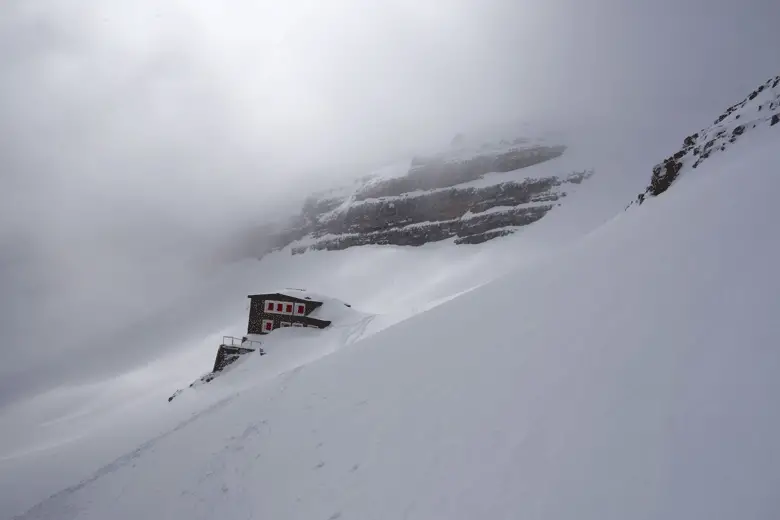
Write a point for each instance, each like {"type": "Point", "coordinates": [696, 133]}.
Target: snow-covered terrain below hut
{"type": "Point", "coordinates": [577, 370]}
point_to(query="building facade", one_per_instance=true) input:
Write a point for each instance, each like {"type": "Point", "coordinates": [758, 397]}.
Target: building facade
{"type": "Point", "coordinates": [268, 312]}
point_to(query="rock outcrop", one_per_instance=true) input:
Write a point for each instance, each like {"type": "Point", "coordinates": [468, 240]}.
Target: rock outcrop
{"type": "Point", "coordinates": [761, 108]}
{"type": "Point", "coordinates": [469, 214]}
{"type": "Point", "coordinates": [461, 194]}
{"type": "Point", "coordinates": [467, 230]}
{"type": "Point", "coordinates": [435, 172]}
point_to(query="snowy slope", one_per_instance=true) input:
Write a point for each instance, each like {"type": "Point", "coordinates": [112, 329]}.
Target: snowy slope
{"type": "Point", "coordinates": [63, 436]}
{"type": "Point", "coordinates": [285, 349]}
{"type": "Point", "coordinates": [631, 375]}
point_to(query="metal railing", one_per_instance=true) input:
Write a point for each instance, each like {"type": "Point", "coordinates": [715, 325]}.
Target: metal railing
{"type": "Point", "coordinates": [231, 341]}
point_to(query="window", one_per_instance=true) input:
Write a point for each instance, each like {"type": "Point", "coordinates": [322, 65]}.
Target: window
{"type": "Point", "coordinates": [268, 325]}
{"type": "Point", "coordinates": [279, 307]}
{"type": "Point", "coordinates": [285, 324]}
{"type": "Point", "coordinates": [297, 324]}
{"type": "Point", "coordinates": [289, 308]}
{"type": "Point", "coordinates": [269, 306]}
{"type": "Point", "coordinates": [313, 327]}
{"type": "Point", "coordinates": [300, 309]}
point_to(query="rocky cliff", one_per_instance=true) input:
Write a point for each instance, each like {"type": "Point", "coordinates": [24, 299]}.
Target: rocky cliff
{"type": "Point", "coordinates": [470, 195]}
{"type": "Point", "coordinates": [759, 110]}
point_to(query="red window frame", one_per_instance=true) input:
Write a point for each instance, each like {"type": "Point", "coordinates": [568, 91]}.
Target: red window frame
{"type": "Point", "coordinates": [279, 307]}
{"type": "Point", "coordinates": [269, 306]}
{"type": "Point", "coordinates": [288, 308]}
{"type": "Point", "coordinates": [300, 309]}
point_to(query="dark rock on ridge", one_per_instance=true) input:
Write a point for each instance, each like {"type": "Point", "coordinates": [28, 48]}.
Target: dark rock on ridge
{"type": "Point", "coordinates": [718, 137]}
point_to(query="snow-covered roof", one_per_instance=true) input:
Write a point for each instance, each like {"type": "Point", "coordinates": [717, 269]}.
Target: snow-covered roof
{"type": "Point", "coordinates": [293, 293]}
{"type": "Point", "coordinates": [302, 294]}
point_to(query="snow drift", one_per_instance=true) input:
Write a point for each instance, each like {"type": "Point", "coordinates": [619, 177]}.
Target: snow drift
{"type": "Point", "coordinates": [295, 346]}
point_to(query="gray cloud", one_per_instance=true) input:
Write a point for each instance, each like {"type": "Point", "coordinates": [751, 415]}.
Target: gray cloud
{"type": "Point", "coordinates": [134, 137]}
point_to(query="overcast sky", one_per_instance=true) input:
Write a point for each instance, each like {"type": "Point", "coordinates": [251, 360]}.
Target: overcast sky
{"type": "Point", "coordinates": [134, 135]}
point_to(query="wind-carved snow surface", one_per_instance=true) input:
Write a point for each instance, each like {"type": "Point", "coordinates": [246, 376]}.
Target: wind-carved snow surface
{"type": "Point", "coordinates": [632, 374]}
{"type": "Point", "coordinates": [63, 436]}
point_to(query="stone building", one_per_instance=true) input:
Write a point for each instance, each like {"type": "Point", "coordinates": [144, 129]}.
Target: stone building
{"type": "Point", "coordinates": [268, 312]}
{"type": "Point", "coordinates": [271, 311]}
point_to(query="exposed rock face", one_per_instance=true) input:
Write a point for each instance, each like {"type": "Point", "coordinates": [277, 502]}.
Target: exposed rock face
{"type": "Point", "coordinates": [484, 237]}
{"type": "Point", "coordinates": [469, 231]}
{"type": "Point", "coordinates": [436, 199]}
{"type": "Point", "coordinates": [453, 203]}
{"type": "Point", "coordinates": [761, 108]}
{"type": "Point", "coordinates": [433, 173]}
